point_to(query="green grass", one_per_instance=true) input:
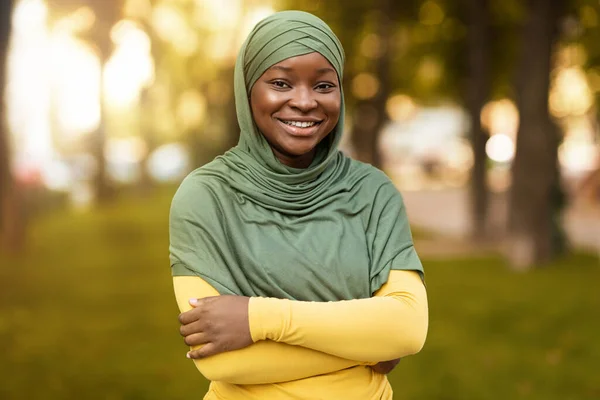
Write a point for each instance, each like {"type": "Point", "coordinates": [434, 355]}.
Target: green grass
{"type": "Point", "coordinates": [89, 313]}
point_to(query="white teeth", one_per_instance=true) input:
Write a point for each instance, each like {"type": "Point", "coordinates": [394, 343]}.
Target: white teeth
{"type": "Point", "coordinates": [300, 124]}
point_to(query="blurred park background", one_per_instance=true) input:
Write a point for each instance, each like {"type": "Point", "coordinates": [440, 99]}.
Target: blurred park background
{"type": "Point", "coordinates": [484, 113]}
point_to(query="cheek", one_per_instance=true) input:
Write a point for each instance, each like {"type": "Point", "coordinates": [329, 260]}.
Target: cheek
{"type": "Point", "coordinates": [260, 110]}
{"type": "Point", "coordinates": [269, 102]}
{"type": "Point", "coordinates": [334, 109]}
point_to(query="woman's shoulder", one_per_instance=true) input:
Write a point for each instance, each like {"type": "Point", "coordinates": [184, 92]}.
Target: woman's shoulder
{"type": "Point", "coordinates": [201, 186]}
{"type": "Point", "coordinates": [373, 178]}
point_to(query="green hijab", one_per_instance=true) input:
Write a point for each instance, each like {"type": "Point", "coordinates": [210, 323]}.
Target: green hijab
{"type": "Point", "coordinates": [250, 225]}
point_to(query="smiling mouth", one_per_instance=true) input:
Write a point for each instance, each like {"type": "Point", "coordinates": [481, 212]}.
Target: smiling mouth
{"type": "Point", "coordinates": [301, 124]}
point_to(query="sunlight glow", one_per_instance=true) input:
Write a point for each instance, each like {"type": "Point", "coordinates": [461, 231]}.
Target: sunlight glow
{"type": "Point", "coordinates": [578, 156]}
{"type": "Point", "coordinates": [57, 175]}
{"type": "Point", "coordinates": [191, 109]}
{"type": "Point", "coordinates": [365, 86]}
{"type": "Point", "coordinates": [570, 93]}
{"type": "Point", "coordinates": [500, 116]}
{"type": "Point", "coordinates": [76, 84]}
{"type": "Point", "coordinates": [251, 18]}
{"type": "Point", "coordinates": [124, 157]}
{"type": "Point", "coordinates": [400, 107]}
{"type": "Point", "coordinates": [218, 15]}
{"type": "Point", "coordinates": [80, 21]}
{"type": "Point", "coordinates": [28, 87]}
{"type": "Point", "coordinates": [130, 67]}
{"type": "Point", "coordinates": [171, 26]}
{"type": "Point", "coordinates": [500, 148]}
{"type": "Point", "coordinates": [127, 150]}
{"type": "Point", "coordinates": [169, 163]}
{"type": "Point", "coordinates": [138, 9]}
{"type": "Point", "coordinates": [430, 71]}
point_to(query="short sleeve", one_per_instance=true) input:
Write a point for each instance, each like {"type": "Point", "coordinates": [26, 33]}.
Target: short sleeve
{"type": "Point", "coordinates": [391, 244]}
{"type": "Point", "coordinates": [194, 231]}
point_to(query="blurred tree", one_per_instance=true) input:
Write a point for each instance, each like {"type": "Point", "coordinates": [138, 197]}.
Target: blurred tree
{"type": "Point", "coordinates": [585, 32]}
{"type": "Point", "coordinates": [369, 115]}
{"type": "Point", "coordinates": [108, 13]}
{"type": "Point", "coordinates": [12, 224]}
{"type": "Point", "coordinates": [536, 197]}
{"type": "Point", "coordinates": [477, 94]}
{"type": "Point", "coordinates": [191, 70]}
{"type": "Point", "coordinates": [354, 22]}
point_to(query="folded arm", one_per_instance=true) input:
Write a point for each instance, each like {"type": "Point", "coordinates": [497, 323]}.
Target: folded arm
{"type": "Point", "coordinates": [263, 362]}
{"type": "Point", "coordinates": [391, 325]}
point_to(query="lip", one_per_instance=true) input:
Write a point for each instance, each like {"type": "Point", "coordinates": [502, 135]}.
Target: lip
{"type": "Point", "coordinates": [302, 132]}
{"type": "Point", "coordinates": [300, 119]}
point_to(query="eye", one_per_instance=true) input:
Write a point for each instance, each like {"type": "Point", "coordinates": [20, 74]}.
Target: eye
{"type": "Point", "coordinates": [324, 87]}
{"type": "Point", "coordinates": [280, 84]}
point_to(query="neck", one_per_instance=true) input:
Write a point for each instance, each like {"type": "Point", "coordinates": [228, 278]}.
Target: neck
{"type": "Point", "coordinates": [301, 162]}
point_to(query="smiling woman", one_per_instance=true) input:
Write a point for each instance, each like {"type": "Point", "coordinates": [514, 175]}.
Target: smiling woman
{"type": "Point", "coordinates": [296, 104]}
{"type": "Point", "coordinates": [293, 265]}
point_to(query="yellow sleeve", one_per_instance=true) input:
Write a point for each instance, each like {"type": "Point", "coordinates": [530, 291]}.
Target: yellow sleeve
{"type": "Point", "coordinates": [390, 325]}
{"type": "Point", "coordinates": [263, 362]}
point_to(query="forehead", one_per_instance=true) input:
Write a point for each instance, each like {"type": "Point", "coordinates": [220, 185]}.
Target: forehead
{"type": "Point", "coordinates": [311, 62]}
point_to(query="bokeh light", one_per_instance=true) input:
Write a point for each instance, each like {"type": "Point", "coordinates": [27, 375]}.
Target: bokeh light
{"type": "Point", "coordinates": [130, 67]}
{"type": "Point", "coordinates": [219, 15]}
{"type": "Point", "coordinates": [500, 148]}
{"type": "Point", "coordinates": [28, 89]}
{"type": "Point", "coordinates": [169, 163]}
{"type": "Point", "coordinates": [400, 107]}
{"type": "Point", "coordinates": [76, 72]}
{"type": "Point", "coordinates": [431, 13]}
{"type": "Point", "coordinates": [170, 25]}
{"type": "Point", "coordinates": [365, 86]}
{"type": "Point", "coordinates": [191, 109]}
{"type": "Point", "coordinates": [500, 116]}
{"type": "Point", "coordinates": [570, 93]}
{"type": "Point", "coordinates": [372, 46]}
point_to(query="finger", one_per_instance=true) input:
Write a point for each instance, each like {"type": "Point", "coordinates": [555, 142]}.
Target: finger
{"type": "Point", "coordinates": [189, 316]}
{"type": "Point", "coordinates": [191, 328]}
{"type": "Point", "coordinates": [196, 339]}
{"type": "Point", "coordinates": [209, 349]}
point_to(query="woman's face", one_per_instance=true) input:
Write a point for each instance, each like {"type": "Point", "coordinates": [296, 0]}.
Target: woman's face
{"type": "Point", "coordinates": [296, 104]}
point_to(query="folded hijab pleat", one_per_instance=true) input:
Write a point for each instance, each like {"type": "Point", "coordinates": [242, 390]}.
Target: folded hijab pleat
{"type": "Point", "coordinates": [250, 225]}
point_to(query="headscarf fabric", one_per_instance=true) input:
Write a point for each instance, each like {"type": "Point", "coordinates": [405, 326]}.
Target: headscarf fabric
{"type": "Point", "coordinates": [276, 38]}
{"type": "Point", "coordinates": [250, 225]}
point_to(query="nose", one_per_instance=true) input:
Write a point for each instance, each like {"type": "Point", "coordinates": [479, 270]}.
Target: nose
{"type": "Point", "coordinates": [303, 99]}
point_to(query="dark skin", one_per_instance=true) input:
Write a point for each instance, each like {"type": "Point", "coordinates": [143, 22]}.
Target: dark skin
{"type": "Point", "coordinates": [295, 104]}
{"type": "Point", "coordinates": [303, 89]}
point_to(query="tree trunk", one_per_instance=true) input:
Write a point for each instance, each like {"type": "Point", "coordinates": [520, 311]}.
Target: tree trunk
{"type": "Point", "coordinates": [536, 197]}
{"type": "Point", "coordinates": [147, 132]}
{"type": "Point", "coordinates": [369, 116]}
{"type": "Point", "coordinates": [108, 13]}
{"type": "Point", "coordinates": [12, 222]}
{"type": "Point", "coordinates": [102, 187]}
{"type": "Point", "coordinates": [478, 91]}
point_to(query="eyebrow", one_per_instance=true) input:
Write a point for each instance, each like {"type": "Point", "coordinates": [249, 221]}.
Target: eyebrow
{"type": "Point", "coordinates": [326, 69]}
{"type": "Point", "coordinates": [288, 69]}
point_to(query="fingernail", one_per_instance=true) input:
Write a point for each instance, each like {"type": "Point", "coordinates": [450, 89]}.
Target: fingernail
{"type": "Point", "coordinates": [187, 355]}
{"type": "Point", "coordinates": [193, 301]}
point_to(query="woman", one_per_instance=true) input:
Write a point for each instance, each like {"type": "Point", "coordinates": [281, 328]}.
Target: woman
{"type": "Point", "coordinates": [293, 265]}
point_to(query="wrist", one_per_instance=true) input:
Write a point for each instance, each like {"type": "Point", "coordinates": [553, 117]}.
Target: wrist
{"type": "Point", "coordinates": [266, 317]}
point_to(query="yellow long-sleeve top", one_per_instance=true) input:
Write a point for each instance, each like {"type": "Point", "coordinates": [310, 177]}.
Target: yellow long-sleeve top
{"type": "Point", "coordinates": [316, 350]}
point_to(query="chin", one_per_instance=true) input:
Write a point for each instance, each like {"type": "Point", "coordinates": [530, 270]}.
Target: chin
{"type": "Point", "coordinates": [299, 152]}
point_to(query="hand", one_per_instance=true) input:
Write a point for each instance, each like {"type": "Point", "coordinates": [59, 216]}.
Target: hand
{"type": "Point", "coordinates": [218, 323]}
{"type": "Point", "coordinates": [385, 367]}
